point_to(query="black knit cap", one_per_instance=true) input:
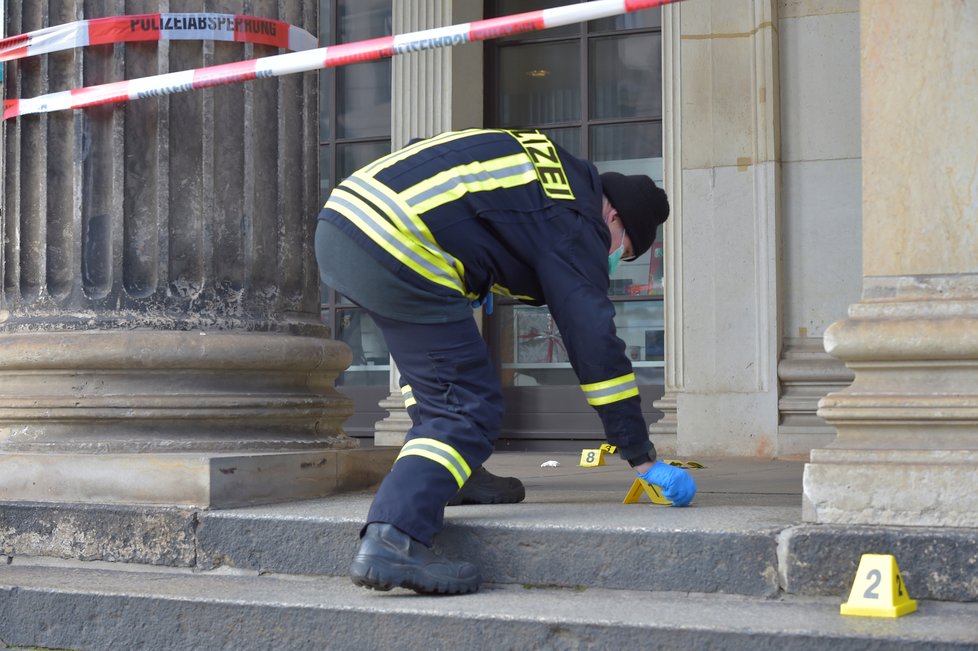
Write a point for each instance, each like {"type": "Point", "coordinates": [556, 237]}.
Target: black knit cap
{"type": "Point", "coordinates": [640, 203]}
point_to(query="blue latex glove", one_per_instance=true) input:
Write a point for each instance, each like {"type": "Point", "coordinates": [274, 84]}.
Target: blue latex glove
{"type": "Point", "coordinates": [677, 485]}
{"type": "Point", "coordinates": [485, 300]}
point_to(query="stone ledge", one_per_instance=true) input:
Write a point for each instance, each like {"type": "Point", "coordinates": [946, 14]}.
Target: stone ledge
{"type": "Point", "coordinates": [98, 609]}
{"type": "Point", "coordinates": [936, 563]}
{"type": "Point", "coordinates": [190, 480]}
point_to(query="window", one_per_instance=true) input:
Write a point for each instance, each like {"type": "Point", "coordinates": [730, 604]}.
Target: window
{"type": "Point", "coordinates": [595, 89]}
{"type": "Point", "coordinates": [354, 129]}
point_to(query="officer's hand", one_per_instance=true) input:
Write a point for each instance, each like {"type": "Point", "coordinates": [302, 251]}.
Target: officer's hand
{"type": "Point", "coordinates": [677, 485]}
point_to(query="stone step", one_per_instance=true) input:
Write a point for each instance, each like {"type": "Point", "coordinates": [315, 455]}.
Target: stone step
{"type": "Point", "coordinates": [714, 547]}
{"type": "Point", "coordinates": [597, 546]}
{"type": "Point", "coordinates": [73, 608]}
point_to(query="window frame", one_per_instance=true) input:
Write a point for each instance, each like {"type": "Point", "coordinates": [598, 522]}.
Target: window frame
{"type": "Point", "coordinates": [585, 124]}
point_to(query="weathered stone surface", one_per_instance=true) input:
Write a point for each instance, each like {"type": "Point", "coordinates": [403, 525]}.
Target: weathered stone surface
{"type": "Point", "coordinates": [160, 293]}
{"type": "Point", "coordinates": [149, 536]}
{"type": "Point", "coordinates": [204, 481]}
{"type": "Point", "coordinates": [59, 608]}
{"type": "Point", "coordinates": [908, 424]}
{"type": "Point", "coordinates": [936, 563]}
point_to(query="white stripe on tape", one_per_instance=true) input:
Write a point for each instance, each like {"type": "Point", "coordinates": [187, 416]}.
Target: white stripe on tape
{"type": "Point", "coordinates": [324, 57]}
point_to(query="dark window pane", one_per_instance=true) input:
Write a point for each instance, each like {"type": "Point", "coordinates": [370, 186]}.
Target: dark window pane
{"type": "Point", "coordinates": [539, 84]}
{"type": "Point", "coordinates": [325, 183]}
{"type": "Point", "coordinates": [625, 74]}
{"type": "Point", "coordinates": [642, 276]}
{"type": "Point", "coordinates": [636, 145]}
{"type": "Point", "coordinates": [644, 19]}
{"type": "Point", "coordinates": [363, 19]}
{"type": "Point", "coordinates": [352, 156]}
{"type": "Point", "coordinates": [569, 139]}
{"type": "Point", "coordinates": [510, 7]}
{"type": "Point", "coordinates": [371, 359]}
{"type": "Point", "coordinates": [363, 101]}
{"type": "Point", "coordinates": [325, 103]}
{"type": "Point", "coordinates": [325, 21]}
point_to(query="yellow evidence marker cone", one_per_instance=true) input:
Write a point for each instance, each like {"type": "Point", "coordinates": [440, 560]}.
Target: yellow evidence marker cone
{"type": "Point", "coordinates": [593, 457]}
{"type": "Point", "coordinates": [640, 486]}
{"type": "Point", "coordinates": [878, 590]}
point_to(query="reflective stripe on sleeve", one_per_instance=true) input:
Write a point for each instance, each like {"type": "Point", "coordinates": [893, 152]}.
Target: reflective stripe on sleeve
{"type": "Point", "coordinates": [440, 453]}
{"type": "Point", "coordinates": [482, 176]}
{"type": "Point", "coordinates": [413, 231]}
{"type": "Point", "coordinates": [410, 150]}
{"type": "Point", "coordinates": [408, 251]}
{"type": "Point", "coordinates": [408, 394]}
{"type": "Point", "coordinates": [603, 393]}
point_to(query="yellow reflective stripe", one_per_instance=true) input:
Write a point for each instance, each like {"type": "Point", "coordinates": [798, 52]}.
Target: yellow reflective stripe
{"type": "Point", "coordinates": [502, 291]}
{"type": "Point", "coordinates": [603, 393]}
{"type": "Point", "coordinates": [408, 394]}
{"type": "Point", "coordinates": [546, 162]}
{"type": "Point", "coordinates": [405, 220]}
{"type": "Point", "coordinates": [411, 150]}
{"type": "Point", "coordinates": [481, 176]}
{"type": "Point", "coordinates": [408, 251]}
{"type": "Point", "coordinates": [440, 453]}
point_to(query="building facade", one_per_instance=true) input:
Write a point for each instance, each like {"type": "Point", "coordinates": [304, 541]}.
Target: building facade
{"type": "Point", "coordinates": [814, 292]}
{"type": "Point", "coordinates": [747, 114]}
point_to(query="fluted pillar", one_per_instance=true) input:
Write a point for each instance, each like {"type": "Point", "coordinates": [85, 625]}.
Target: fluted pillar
{"type": "Point", "coordinates": [433, 91]}
{"type": "Point", "coordinates": [159, 309]}
{"type": "Point", "coordinates": [907, 444]}
{"type": "Point", "coordinates": [663, 432]}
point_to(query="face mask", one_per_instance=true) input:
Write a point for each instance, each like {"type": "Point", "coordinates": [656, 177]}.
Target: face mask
{"type": "Point", "coordinates": [615, 258]}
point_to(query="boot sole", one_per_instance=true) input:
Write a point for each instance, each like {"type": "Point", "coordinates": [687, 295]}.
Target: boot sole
{"type": "Point", "coordinates": [383, 576]}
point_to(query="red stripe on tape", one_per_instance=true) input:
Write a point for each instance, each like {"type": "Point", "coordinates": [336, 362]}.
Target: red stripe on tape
{"type": "Point", "coordinates": [371, 50]}
{"type": "Point", "coordinates": [102, 31]}
{"type": "Point", "coordinates": [15, 53]}
{"type": "Point", "coordinates": [506, 25]}
{"type": "Point", "coordinates": [11, 108]}
{"type": "Point", "coordinates": [225, 73]}
{"type": "Point", "coordinates": [117, 91]}
{"type": "Point", "coordinates": [635, 5]}
{"type": "Point", "coordinates": [262, 31]}
{"type": "Point", "coordinates": [14, 47]}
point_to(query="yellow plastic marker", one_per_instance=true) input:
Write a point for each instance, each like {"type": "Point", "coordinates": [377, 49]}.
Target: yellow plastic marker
{"type": "Point", "coordinates": [640, 486]}
{"type": "Point", "coordinates": [878, 590]}
{"type": "Point", "coordinates": [683, 464]}
{"type": "Point", "coordinates": [592, 457]}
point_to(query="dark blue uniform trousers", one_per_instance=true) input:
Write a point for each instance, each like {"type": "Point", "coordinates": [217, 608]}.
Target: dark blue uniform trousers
{"type": "Point", "coordinates": [459, 405]}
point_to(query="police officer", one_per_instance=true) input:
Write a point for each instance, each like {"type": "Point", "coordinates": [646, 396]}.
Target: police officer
{"type": "Point", "coordinates": [419, 236]}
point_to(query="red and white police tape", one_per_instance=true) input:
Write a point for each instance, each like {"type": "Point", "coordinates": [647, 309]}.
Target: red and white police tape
{"type": "Point", "coordinates": [325, 57]}
{"type": "Point", "coordinates": [158, 27]}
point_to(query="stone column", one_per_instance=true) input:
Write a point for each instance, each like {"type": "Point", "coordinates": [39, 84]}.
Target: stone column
{"type": "Point", "coordinates": [433, 91]}
{"type": "Point", "coordinates": [663, 432]}
{"type": "Point", "coordinates": [907, 446]}
{"type": "Point", "coordinates": [730, 190]}
{"type": "Point", "coordinates": [159, 309]}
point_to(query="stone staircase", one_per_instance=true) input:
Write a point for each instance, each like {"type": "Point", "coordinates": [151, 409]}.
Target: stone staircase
{"type": "Point", "coordinates": [572, 568]}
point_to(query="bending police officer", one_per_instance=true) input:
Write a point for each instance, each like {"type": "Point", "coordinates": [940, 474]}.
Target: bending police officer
{"type": "Point", "coordinates": [418, 236]}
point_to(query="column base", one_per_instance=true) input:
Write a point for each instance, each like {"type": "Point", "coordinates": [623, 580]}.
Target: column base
{"type": "Point", "coordinates": [907, 446]}
{"type": "Point", "coordinates": [391, 430]}
{"type": "Point", "coordinates": [664, 431]}
{"type": "Point", "coordinates": [189, 480]}
{"type": "Point", "coordinates": [891, 487]}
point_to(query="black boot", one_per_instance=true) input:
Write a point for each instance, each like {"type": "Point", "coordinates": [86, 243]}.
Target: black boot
{"type": "Point", "coordinates": [483, 487]}
{"type": "Point", "coordinates": [388, 557]}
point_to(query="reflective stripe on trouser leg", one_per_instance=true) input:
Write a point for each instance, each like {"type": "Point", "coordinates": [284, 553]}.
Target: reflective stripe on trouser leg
{"type": "Point", "coordinates": [410, 402]}
{"type": "Point", "coordinates": [458, 411]}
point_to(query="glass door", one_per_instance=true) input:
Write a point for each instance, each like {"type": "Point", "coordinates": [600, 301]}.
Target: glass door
{"type": "Point", "coordinates": [595, 89]}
